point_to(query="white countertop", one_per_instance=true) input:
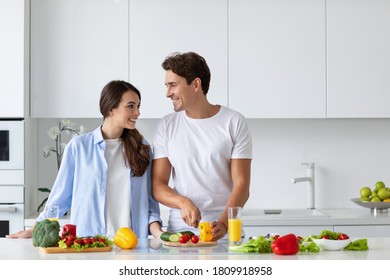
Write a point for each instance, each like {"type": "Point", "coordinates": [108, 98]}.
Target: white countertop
{"type": "Point", "coordinates": [151, 249]}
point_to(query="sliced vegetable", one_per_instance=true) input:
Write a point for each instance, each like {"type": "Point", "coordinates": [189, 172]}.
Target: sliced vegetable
{"type": "Point", "coordinates": [190, 233]}
{"type": "Point", "coordinates": [169, 236]}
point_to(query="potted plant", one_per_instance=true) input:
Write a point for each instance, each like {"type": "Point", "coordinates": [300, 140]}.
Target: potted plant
{"type": "Point", "coordinates": [55, 133]}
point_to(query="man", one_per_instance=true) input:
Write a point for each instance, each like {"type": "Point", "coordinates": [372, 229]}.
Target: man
{"type": "Point", "coordinates": [208, 149]}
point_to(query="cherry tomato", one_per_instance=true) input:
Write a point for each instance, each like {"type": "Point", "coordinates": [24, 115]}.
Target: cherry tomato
{"type": "Point", "coordinates": [325, 237]}
{"type": "Point", "coordinates": [299, 238]}
{"type": "Point", "coordinates": [87, 240]}
{"type": "Point", "coordinates": [276, 236]}
{"type": "Point", "coordinates": [343, 236]}
{"type": "Point", "coordinates": [183, 239]}
{"type": "Point", "coordinates": [79, 241]}
{"type": "Point", "coordinates": [194, 239]}
{"type": "Point", "coordinates": [187, 236]}
{"type": "Point", "coordinates": [69, 242]}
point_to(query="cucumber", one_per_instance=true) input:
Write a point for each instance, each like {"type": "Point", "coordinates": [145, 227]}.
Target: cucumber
{"type": "Point", "coordinates": [190, 233]}
{"type": "Point", "coordinates": [169, 236]}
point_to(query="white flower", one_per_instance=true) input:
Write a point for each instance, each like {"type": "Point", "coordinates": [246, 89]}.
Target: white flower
{"type": "Point", "coordinates": [53, 132]}
{"type": "Point", "coordinates": [67, 123]}
{"type": "Point", "coordinates": [83, 129]}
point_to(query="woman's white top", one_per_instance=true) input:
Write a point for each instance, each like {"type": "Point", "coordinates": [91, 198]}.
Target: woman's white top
{"type": "Point", "coordinates": [117, 212]}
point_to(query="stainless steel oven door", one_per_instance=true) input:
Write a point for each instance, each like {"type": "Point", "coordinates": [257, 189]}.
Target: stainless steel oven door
{"type": "Point", "coordinates": [11, 209]}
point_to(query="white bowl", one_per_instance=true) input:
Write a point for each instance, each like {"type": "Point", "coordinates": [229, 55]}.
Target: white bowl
{"type": "Point", "coordinates": [332, 245]}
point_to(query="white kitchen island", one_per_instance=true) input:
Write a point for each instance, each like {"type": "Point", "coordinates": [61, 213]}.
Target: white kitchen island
{"type": "Point", "coordinates": [151, 249]}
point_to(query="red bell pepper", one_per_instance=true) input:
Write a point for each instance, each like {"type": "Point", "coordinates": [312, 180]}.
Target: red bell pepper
{"type": "Point", "coordinates": [285, 245]}
{"type": "Point", "coordinates": [68, 229]}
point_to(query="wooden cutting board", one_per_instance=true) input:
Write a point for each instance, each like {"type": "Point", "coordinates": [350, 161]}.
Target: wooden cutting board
{"type": "Point", "coordinates": [56, 250]}
{"type": "Point", "coordinates": [190, 244]}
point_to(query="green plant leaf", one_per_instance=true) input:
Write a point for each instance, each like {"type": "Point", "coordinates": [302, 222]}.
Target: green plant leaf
{"type": "Point", "coordinates": [42, 203]}
{"type": "Point", "coordinates": [44, 190]}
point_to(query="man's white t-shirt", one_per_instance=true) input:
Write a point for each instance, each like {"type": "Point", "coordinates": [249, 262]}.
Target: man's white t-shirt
{"type": "Point", "coordinates": [117, 211]}
{"type": "Point", "coordinates": [200, 151]}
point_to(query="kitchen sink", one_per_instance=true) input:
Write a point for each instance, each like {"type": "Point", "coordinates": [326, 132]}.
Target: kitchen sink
{"type": "Point", "coordinates": [283, 213]}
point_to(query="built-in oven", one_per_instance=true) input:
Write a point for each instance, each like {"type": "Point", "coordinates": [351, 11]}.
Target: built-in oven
{"type": "Point", "coordinates": [11, 176]}
{"type": "Point", "coordinates": [11, 209]}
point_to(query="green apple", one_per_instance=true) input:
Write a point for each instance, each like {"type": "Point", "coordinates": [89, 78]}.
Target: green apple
{"type": "Point", "coordinates": [379, 185]}
{"type": "Point", "coordinates": [376, 199]}
{"type": "Point", "coordinates": [383, 193]}
{"type": "Point", "coordinates": [365, 192]}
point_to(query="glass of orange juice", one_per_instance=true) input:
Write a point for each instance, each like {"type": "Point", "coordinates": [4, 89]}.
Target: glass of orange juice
{"type": "Point", "coordinates": [234, 225]}
{"type": "Point", "coordinates": [52, 212]}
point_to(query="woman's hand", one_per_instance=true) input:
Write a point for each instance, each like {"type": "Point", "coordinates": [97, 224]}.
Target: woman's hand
{"type": "Point", "coordinates": [21, 234]}
{"type": "Point", "coordinates": [155, 229]}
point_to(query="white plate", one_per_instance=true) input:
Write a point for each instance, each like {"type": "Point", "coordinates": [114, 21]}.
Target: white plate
{"type": "Point", "coordinates": [332, 245]}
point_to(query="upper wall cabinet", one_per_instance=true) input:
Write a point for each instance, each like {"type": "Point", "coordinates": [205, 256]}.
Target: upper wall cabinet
{"type": "Point", "coordinates": [77, 47]}
{"type": "Point", "coordinates": [277, 58]}
{"type": "Point", "coordinates": [158, 28]}
{"type": "Point", "coordinates": [12, 58]}
{"type": "Point", "coordinates": [358, 58]}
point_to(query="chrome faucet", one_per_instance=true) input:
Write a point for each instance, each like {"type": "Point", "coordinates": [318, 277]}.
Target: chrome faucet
{"type": "Point", "coordinates": [310, 180]}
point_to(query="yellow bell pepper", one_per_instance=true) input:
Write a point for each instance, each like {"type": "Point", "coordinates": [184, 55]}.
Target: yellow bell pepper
{"type": "Point", "coordinates": [205, 231]}
{"type": "Point", "coordinates": [125, 238]}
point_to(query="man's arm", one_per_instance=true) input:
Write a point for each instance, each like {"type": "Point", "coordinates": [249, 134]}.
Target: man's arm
{"type": "Point", "coordinates": [161, 171]}
{"type": "Point", "coordinates": [241, 173]}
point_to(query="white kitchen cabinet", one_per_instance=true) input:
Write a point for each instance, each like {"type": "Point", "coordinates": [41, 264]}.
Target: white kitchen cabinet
{"type": "Point", "coordinates": [364, 230]}
{"type": "Point", "coordinates": [277, 58]}
{"type": "Point", "coordinates": [358, 56]}
{"type": "Point", "coordinates": [77, 47]}
{"type": "Point", "coordinates": [282, 230]}
{"type": "Point", "coordinates": [158, 28]}
{"type": "Point", "coordinates": [12, 58]}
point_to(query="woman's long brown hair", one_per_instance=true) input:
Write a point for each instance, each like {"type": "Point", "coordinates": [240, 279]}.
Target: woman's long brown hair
{"type": "Point", "coordinates": [136, 152]}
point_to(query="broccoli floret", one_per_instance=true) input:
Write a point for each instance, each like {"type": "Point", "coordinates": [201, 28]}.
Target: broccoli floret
{"type": "Point", "coordinates": [46, 233]}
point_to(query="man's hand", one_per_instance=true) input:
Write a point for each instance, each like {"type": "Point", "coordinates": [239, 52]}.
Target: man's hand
{"type": "Point", "coordinates": [219, 230]}
{"type": "Point", "coordinates": [190, 213]}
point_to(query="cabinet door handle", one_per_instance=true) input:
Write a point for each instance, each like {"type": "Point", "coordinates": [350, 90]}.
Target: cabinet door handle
{"type": "Point", "coordinates": [8, 209]}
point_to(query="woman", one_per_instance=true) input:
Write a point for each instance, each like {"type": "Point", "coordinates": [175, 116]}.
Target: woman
{"type": "Point", "coordinates": [105, 176]}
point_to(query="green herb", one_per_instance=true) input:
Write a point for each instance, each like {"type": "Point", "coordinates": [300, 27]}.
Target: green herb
{"type": "Point", "coordinates": [357, 245]}
{"type": "Point", "coordinates": [258, 245]}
